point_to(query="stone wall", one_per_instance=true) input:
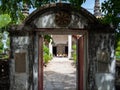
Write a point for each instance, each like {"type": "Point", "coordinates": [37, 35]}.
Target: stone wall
{"type": "Point", "coordinates": [19, 62]}
{"type": "Point", "coordinates": [101, 55]}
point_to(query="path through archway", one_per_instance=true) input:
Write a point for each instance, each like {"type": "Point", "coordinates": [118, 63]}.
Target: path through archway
{"type": "Point", "coordinates": [60, 74]}
{"type": "Point", "coordinates": [81, 43]}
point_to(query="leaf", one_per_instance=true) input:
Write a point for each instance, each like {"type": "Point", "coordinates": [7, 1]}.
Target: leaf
{"type": "Point", "coordinates": [4, 20]}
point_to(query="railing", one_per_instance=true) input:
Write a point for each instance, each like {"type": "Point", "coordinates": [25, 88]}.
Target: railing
{"type": "Point", "coordinates": [4, 74]}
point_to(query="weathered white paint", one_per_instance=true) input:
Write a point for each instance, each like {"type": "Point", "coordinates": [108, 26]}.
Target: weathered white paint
{"type": "Point", "coordinates": [47, 20]}
{"type": "Point", "coordinates": [60, 39]}
{"type": "Point", "coordinates": [69, 46]}
{"type": "Point", "coordinates": [105, 81]}
{"type": "Point", "coordinates": [19, 81]}
{"type": "Point", "coordinates": [51, 47]}
{"type": "Point", "coordinates": [35, 65]}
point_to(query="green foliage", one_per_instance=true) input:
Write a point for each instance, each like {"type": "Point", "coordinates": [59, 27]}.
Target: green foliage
{"type": "Point", "coordinates": [14, 7]}
{"type": "Point", "coordinates": [48, 38]}
{"type": "Point", "coordinates": [46, 55]}
{"type": "Point", "coordinates": [46, 49]}
{"type": "Point", "coordinates": [8, 42]}
{"type": "Point", "coordinates": [4, 56]}
{"type": "Point", "coordinates": [74, 52]}
{"type": "Point", "coordinates": [118, 50]}
{"type": "Point", "coordinates": [77, 3]}
{"type": "Point", "coordinates": [1, 47]}
{"type": "Point", "coordinates": [11, 12]}
{"type": "Point", "coordinates": [74, 47]}
{"type": "Point", "coordinates": [111, 9]}
{"type": "Point", "coordinates": [4, 20]}
{"type": "Point", "coordinates": [2, 36]}
{"type": "Point", "coordinates": [1, 44]}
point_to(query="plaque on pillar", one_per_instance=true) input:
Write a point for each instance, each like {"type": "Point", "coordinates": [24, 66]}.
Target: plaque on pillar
{"type": "Point", "coordinates": [20, 62]}
{"type": "Point", "coordinates": [103, 61]}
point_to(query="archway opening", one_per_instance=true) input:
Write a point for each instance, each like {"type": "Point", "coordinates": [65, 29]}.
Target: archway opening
{"type": "Point", "coordinates": [60, 73]}
{"type": "Point", "coordinates": [57, 80]}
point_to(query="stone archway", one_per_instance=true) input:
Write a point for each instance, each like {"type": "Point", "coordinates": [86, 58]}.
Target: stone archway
{"type": "Point", "coordinates": [81, 53]}
{"type": "Point", "coordinates": [26, 39]}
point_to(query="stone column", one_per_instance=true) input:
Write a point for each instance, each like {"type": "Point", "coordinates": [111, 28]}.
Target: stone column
{"type": "Point", "coordinates": [101, 74]}
{"type": "Point", "coordinates": [69, 46]}
{"type": "Point", "coordinates": [35, 63]}
{"type": "Point", "coordinates": [51, 47]}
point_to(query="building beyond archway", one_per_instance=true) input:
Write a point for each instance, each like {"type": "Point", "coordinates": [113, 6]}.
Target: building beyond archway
{"type": "Point", "coordinates": [95, 47]}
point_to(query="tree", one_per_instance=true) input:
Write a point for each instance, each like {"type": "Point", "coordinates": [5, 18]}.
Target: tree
{"type": "Point", "coordinates": [4, 21]}
{"type": "Point", "coordinates": [1, 44]}
{"type": "Point", "coordinates": [12, 10]}
{"type": "Point", "coordinates": [14, 7]}
{"type": "Point", "coordinates": [111, 9]}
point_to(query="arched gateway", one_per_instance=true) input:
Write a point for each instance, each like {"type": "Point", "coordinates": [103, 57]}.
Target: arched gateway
{"type": "Point", "coordinates": [95, 42]}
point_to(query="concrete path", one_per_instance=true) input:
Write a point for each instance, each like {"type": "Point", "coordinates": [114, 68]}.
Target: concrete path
{"type": "Point", "coordinates": [60, 74]}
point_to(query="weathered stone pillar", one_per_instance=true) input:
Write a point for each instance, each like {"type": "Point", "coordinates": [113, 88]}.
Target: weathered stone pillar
{"type": "Point", "coordinates": [35, 65]}
{"type": "Point", "coordinates": [69, 46]}
{"type": "Point", "coordinates": [19, 63]}
{"type": "Point", "coordinates": [101, 61]}
{"type": "Point", "coordinates": [51, 47]}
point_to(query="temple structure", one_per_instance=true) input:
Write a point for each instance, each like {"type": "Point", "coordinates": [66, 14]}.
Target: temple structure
{"type": "Point", "coordinates": [97, 9]}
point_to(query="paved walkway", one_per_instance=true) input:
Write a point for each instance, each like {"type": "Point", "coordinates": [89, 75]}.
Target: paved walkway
{"type": "Point", "coordinates": [60, 74]}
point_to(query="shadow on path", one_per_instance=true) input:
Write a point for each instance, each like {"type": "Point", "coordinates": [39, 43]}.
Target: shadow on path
{"type": "Point", "coordinates": [60, 75]}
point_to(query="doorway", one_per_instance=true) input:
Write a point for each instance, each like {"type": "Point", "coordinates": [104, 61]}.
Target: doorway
{"type": "Point", "coordinates": [81, 67]}
{"type": "Point", "coordinates": [60, 72]}
{"type": "Point", "coordinates": [66, 50]}
{"type": "Point", "coordinates": [54, 51]}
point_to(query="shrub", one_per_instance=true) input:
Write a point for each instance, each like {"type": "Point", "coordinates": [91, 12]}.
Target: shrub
{"type": "Point", "coordinates": [46, 55]}
{"type": "Point", "coordinates": [74, 52]}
